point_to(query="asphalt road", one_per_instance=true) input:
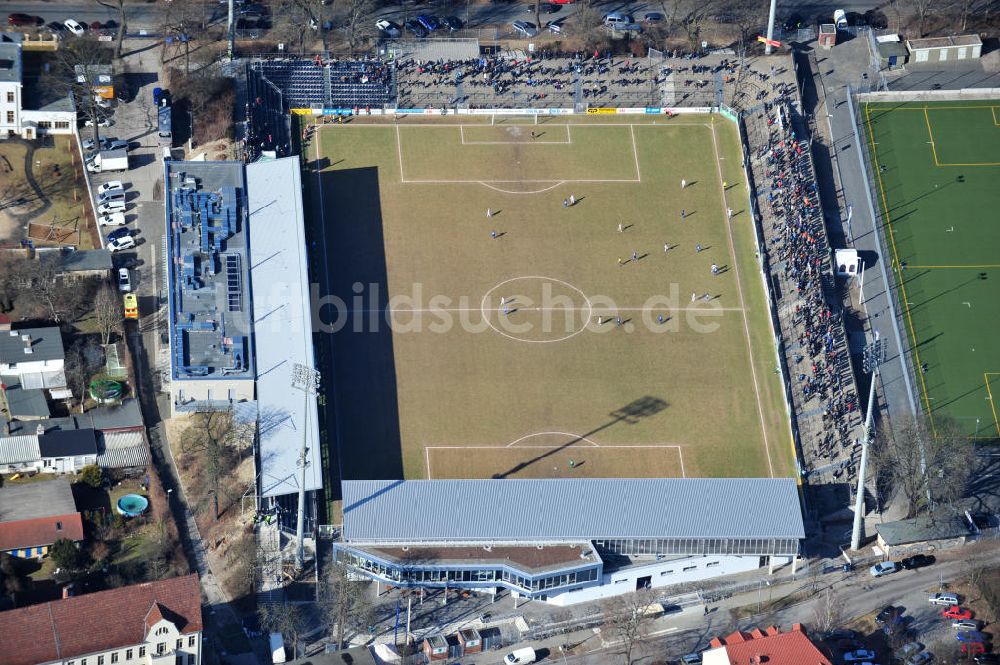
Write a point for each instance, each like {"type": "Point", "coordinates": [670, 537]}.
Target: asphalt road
{"type": "Point", "coordinates": [147, 15]}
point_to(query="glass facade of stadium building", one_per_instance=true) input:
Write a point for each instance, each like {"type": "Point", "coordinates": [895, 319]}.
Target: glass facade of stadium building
{"type": "Point", "coordinates": [444, 573]}
{"type": "Point", "coordinates": [699, 546]}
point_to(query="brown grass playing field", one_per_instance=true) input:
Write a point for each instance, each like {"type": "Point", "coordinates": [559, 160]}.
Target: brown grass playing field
{"type": "Point", "coordinates": [528, 342]}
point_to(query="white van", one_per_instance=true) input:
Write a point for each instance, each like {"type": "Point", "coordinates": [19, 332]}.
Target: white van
{"type": "Point", "coordinates": [277, 648]}
{"type": "Point", "coordinates": [520, 656]}
{"type": "Point", "coordinates": [616, 20]}
{"type": "Point", "coordinates": [840, 19]}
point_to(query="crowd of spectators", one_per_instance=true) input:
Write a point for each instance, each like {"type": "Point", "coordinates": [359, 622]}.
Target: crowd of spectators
{"type": "Point", "coordinates": [822, 382]}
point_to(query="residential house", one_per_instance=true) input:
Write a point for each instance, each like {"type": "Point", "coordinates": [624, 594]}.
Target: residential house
{"type": "Point", "coordinates": [79, 263]}
{"type": "Point", "coordinates": [769, 646]}
{"type": "Point", "coordinates": [28, 109]}
{"type": "Point", "coordinates": [924, 533]}
{"type": "Point", "coordinates": [157, 623]}
{"type": "Point", "coordinates": [32, 517]}
{"type": "Point", "coordinates": [67, 451]}
{"type": "Point", "coordinates": [32, 363]}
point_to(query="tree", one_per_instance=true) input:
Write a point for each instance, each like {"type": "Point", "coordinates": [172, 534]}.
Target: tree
{"type": "Point", "coordinates": [346, 604]}
{"type": "Point", "coordinates": [286, 618]}
{"type": "Point", "coordinates": [922, 461]}
{"type": "Point", "coordinates": [108, 312]}
{"type": "Point", "coordinates": [217, 437]}
{"type": "Point", "coordinates": [82, 361]}
{"type": "Point", "coordinates": [76, 66]}
{"type": "Point", "coordinates": [587, 24]}
{"type": "Point", "coordinates": [360, 22]}
{"type": "Point", "coordinates": [922, 8]}
{"type": "Point", "coordinates": [119, 6]}
{"type": "Point", "coordinates": [66, 554]}
{"type": "Point", "coordinates": [91, 475]}
{"type": "Point", "coordinates": [624, 617]}
{"type": "Point", "coordinates": [828, 611]}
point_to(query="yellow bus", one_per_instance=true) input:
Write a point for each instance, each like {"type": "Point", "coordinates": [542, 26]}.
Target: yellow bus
{"type": "Point", "coordinates": [131, 306]}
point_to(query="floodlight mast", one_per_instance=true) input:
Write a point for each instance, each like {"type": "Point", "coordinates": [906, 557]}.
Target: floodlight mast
{"type": "Point", "coordinates": [871, 360]}
{"type": "Point", "coordinates": [307, 380]}
{"type": "Point", "coordinates": [770, 26]}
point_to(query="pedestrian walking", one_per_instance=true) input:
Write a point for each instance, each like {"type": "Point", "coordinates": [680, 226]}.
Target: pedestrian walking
{"type": "Point", "coordinates": [620, 262]}
{"type": "Point", "coordinates": [697, 247]}
{"type": "Point", "coordinates": [666, 248]}
{"type": "Point", "coordinates": [660, 318]}
{"type": "Point", "coordinates": [503, 300]}
{"type": "Point", "coordinates": [600, 320]}
{"type": "Point", "coordinates": [694, 296]}
{"type": "Point", "coordinates": [532, 135]}
{"type": "Point", "coordinates": [635, 255]}
{"type": "Point", "coordinates": [565, 203]}
{"type": "Point", "coordinates": [618, 321]}
{"type": "Point", "coordinates": [493, 234]}
{"type": "Point", "coordinates": [729, 213]}
{"type": "Point", "coordinates": [707, 296]}
{"type": "Point", "coordinates": [715, 269]}
{"type": "Point", "coordinates": [620, 227]}
{"type": "Point", "coordinates": [684, 183]}
{"type": "Point", "coordinates": [489, 213]}
{"type": "Point", "coordinates": [725, 185]}
{"type": "Point", "coordinates": [572, 199]}
{"type": "Point", "coordinates": [683, 214]}
{"type": "Point", "coordinates": [506, 310]}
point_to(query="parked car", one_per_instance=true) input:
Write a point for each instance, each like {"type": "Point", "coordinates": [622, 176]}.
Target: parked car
{"type": "Point", "coordinates": [24, 20]}
{"type": "Point", "coordinates": [73, 27]}
{"type": "Point", "coordinates": [55, 26]}
{"type": "Point", "coordinates": [388, 28]}
{"type": "Point", "coordinates": [859, 655]}
{"type": "Point", "coordinates": [89, 144]}
{"type": "Point", "coordinates": [124, 281]}
{"type": "Point", "coordinates": [654, 17]}
{"type": "Point", "coordinates": [884, 568]}
{"type": "Point", "coordinates": [909, 649]}
{"type": "Point", "coordinates": [413, 25]}
{"type": "Point", "coordinates": [112, 219]}
{"type": "Point", "coordinates": [109, 207]}
{"type": "Point", "coordinates": [118, 244]}
{"type": "Point", "coordinates": [967, 624]}
{"type": "Point", "coordinates": [524, 28]}
{"type": "Point", "coordinates": [973, 648]}
{"type": "Point", "coordinates": [118, 233]}
{"type": "Point", "coordinates": [987, 659]}
{"type": "Point", "coordinates": [453, 23]}
{"type": "Point", "coordinates": [956, 612]}
{"type": "Point", "coordinates": [429, 23]}
{"type": "Point", "coordinates": [110, 186]}
{"type": "Point", "coordinates": [890, 614]}
{"type": "Point", "coordinates": [117, 144]}
{"type": "Point", "coordinates": [920, 658]}
{"type": "Point", "coordinates": [948, 599]}
{"type": "Point", "coordinates": [917, 561]}
{"type": "Point", "coordinates": [971, 636]}
{"type": "Point", "coordinates": [101, 122]}
{"type": "Point", "coordinates": [96, 25]}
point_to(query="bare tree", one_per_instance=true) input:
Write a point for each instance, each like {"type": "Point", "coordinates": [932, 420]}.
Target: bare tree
{"type": "Point", "coordinates": [922, 9]}
{"type": "Point", "coordinates": [82, 361]}
{"type": "Point", "coordinates": [108, 312]}
{"type": "Point", "coordinates": [286, 618]}
{"type": "Point", "coordinates": [213, 435]}
{"type": "Point", "coordinates": [118, 6]}
{"type": "Point", "coordinates": [922, 460]}
{"type": "Point", "coordinates": [828, 611]}
{"type": "Point", "coordinates": [689, 16]}
{"type": "Point", "coordinates": [587, 24]}
{"type": "Point", "coordinates": [346, 603]}
{"type": "Point", "coordinates": [76, 66]}
{"type": "Point", "coordinates": [360, 23]}
{"type": "Point", "coordinates": [624, 617]}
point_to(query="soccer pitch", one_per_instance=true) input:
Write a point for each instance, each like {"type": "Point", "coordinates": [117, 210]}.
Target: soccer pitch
{"type": "Point", "coordinates": [937, 167]}
{"type": "Point", "coordinates": [526, 336]}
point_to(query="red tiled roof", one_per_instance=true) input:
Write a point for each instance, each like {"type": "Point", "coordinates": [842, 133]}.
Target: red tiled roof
{"type": "Point", "coordinates": [772, 647]}
{"type": "Point", "coordinates": [40, 531]}
{"type": "Point", "coordinates": [97, 621]}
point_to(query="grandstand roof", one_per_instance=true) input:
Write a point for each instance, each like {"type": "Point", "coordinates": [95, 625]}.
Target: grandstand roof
{"type": "Point", "coordinates": [570, 509]}
{"type": "Point", "coordinates": [210, 331]}
{"type": "Point", "coordinates": [282, 325]}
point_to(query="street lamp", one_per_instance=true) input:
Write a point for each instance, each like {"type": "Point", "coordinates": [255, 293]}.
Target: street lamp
{"type": "Point", "coordinates": [307, 380]}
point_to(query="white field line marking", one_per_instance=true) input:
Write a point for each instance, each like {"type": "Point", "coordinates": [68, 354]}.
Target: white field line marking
{"type": "Point", "coordinates": [635, 153]}
{"type": "Point", "coordinates": [379, 125]}
{"type": "Point", "coordinates": [680, 452]}
{"type": "Point", "coordinates": [739, 291]}
{"type": "Point", "coordinates": [399, 151]}
{"type": "Point", "coordinates": [510, 191]}
{"type": "Point", "coordinates": [420, 310]}
{"type": "Point", "coordinates": [569, 434]}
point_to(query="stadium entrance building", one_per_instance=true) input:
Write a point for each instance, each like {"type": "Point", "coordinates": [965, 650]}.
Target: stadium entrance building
{"type": "Point", "coordinates": [566, 541]}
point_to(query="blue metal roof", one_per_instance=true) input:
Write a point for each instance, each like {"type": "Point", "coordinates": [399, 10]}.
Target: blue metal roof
{"type": "Point", "coordinates": [559, 510]}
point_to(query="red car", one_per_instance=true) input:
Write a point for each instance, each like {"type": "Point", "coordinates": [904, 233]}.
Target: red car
{"type": "Point", "coordinates": [973, 648]}
{"type": "Point", "coordinates": [562, 2]}
{"type": "Point", "coordinates": [22, 19]}
{"type": "Point", "coordinates": [956, 612]}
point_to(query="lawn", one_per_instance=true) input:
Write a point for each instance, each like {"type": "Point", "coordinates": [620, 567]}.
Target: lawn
{"type": "Point", "coordinates": [937, 171]}
{"type": "Point", "coordinates": [547, 382]}
{"type": "Point", "coordinates": [57, 212]}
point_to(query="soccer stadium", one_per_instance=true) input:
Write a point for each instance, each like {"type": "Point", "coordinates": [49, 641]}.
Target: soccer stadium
{"type": "Point", "coordinates": [935, 170]}
{"type": "Point", "coordinates": [549, 362]}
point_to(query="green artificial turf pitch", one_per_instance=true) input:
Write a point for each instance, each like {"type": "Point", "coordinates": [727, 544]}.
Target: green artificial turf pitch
{"type": "Point", "coordinates": [553, 387]}
{"type": "Point", "coordinates": [937, 170]}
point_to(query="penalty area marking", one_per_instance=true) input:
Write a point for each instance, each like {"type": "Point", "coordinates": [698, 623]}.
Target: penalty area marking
{"type": "Point", "coordinates": [533, 141]}
{"type": "Point", "coordinates": [428, 449]}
